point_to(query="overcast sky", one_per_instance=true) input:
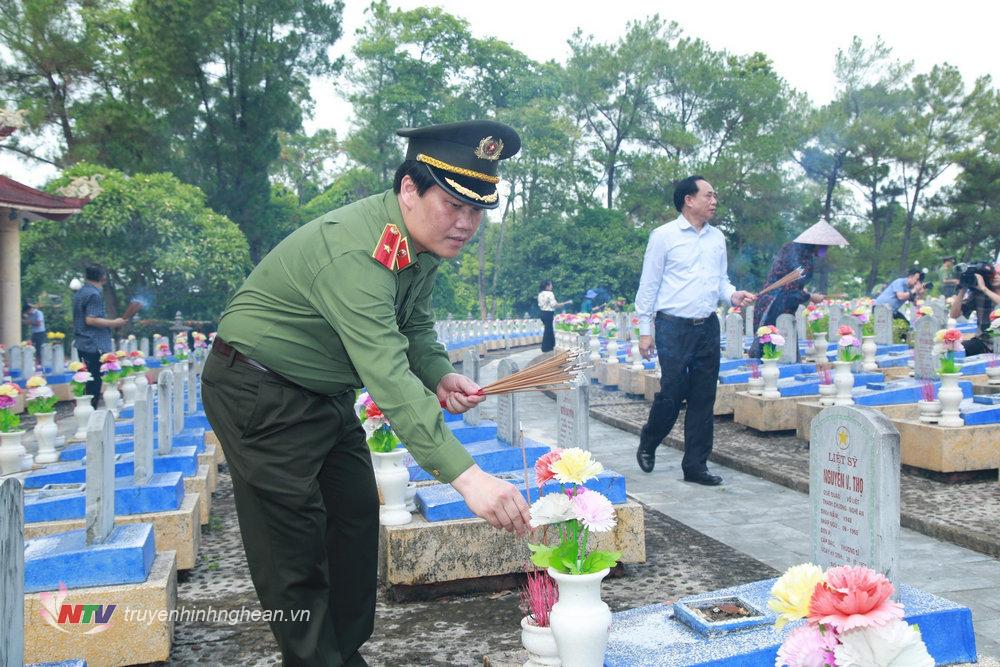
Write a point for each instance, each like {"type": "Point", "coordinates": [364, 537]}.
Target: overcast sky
{"type": "Point", "coordinates": [801, 38]}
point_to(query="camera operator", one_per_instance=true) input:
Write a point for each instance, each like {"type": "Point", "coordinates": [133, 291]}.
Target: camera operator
{"type": "Point", "coordinates": [901, 290]}
{"type": "Point", "coordinates": [974, 296]}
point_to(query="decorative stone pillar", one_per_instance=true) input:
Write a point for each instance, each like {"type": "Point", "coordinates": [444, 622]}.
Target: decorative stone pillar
{"type": "Point", "coordinates": [10, 278]}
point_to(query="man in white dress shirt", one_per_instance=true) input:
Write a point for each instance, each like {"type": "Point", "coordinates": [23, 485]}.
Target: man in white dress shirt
{"type": "Point", "coordinates": [684, 276]}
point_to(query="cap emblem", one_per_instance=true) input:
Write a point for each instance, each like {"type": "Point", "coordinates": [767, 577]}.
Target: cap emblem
{"type": "Point", "coordinates": [489, 149]}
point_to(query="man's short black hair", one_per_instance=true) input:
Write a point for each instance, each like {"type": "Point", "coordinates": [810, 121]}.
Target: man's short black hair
{"type": "Point", "coordinates": [546, 284]}
{"type": "Point", "coordinates": [417, 171]}
{"type": "Point", "coordinates": [94, 272]}
{"type": "Point", "coordinates": [683, 188]}
{"type": "Point", "coordinates": [914, 272]}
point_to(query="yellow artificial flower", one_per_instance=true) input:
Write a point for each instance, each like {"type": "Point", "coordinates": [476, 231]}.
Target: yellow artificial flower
{"type": "Point", "coordinates": [121, 354]}
{"type": "Point", "coordinates": [792, 592]}
{"type": "Point", "coordinates": [939, 336]}
{"type": "Point", "coordinates": [74, 366]}
{"type": "Point", "coordinates": [576, 466]}
{"type": "Point", "coordinates": [35, 381]}
{"type": "Point", "coordinates": [9, 389]}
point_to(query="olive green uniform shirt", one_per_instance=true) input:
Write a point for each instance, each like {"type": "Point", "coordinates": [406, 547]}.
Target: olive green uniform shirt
{"type": "Point", "coordinates": [322, 312]}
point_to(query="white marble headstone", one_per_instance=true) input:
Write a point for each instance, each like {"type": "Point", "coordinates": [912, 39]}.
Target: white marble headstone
{"type": "Point", "coordinates": [192, 386]}
{"type": "Point", "coordinates": [11, 573]}
{"type": "Point", "coordinates": [882, 316]}
{"type": "Point", "coordinates": [470, 369]}
{"type": "Point", "coordinates": [100, 475]}
{"type": "Point", "coordinates": [924, 363]}
{"type": "Point", "coordinates": [748, 320]}
{"type": "Point", "coordinates": [143, 433]}
{"type": "Point", "coordinates": [836, 315]}
{"type": "Point", "coordinates": [46, 355]}
{"type": "Point", "coordinates": [790, 351]}
{"type": "Point", "coordinates": [573, 428]}
{"type": "Point", "coordinates": [854, 489]}
{"type": "Point", "coordinates": [164, 411]}
{"type": "Point", "coordinates": [16, 360]}
{"type": "Point", "coordinates": [180, 377]}
{"type": "Point", "coordinates": [508, 430]}
{"type": "Point", "coordinates": [734, 336]}
{"type": "Point", "coordinates": [58, 358]}
{"type": "Point", "coordinates": [801, 323]}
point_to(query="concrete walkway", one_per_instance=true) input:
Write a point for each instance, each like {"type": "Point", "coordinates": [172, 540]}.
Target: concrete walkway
{"type": "Point", "coordinates": [767, 521]}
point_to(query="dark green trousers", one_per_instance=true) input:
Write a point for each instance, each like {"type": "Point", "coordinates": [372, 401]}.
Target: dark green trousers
{"type": "Point", "coordinates": [307, 506]}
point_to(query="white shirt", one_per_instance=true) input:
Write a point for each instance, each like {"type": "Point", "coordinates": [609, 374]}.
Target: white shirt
{"type": "Point", "coordinates": [684, 273]}
{"type": "Point", "coordinates": [547, 300]}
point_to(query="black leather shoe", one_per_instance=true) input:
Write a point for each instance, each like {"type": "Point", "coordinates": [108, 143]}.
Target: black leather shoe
{"type": "Point", "coordinates": [704, 478]}
{"type": "Point", "coordinates": [646, 456]}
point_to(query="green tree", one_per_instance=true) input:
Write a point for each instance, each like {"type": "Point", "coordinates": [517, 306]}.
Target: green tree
{"type": "Point", "coordinates": [303, 165]}
{"type": "Point", "coordinates": [156, 237]}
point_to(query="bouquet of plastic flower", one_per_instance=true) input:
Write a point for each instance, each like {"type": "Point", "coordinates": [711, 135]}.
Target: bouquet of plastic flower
{"type": "Point", "coordinates": [138, 362]}
{"type": "Point", "coordinates": [8, 396]}
{"type": "Point", "coordinates": [771, 341]}
{"type": "Point", "coordinates": [951, 342]}
{"type": "Point", "coordinates": [850, 346]}
{"type": "Point", "coordinates": [200, 340]}
{"type": "Point", "coordinates": [55, 335]}
{"type": "Point", "coordinates": [81, 376]}
{"type": "Point", "coordinates": [40, 397]}
{"type": "Point", "coordinates": [180, 347]}
{"type": "Point", "coordinates": [111, 370]}
{"type": "Point", "coordinates": [851, 620]}
{"type": "Point", "coordinates": [864, 316]}
{"type": "Point", "coordinates": [994, 327]}
{"type": "Point", "coordinates": [817, 319]}
{"type": "Point", "coordinates": [924, 310]}
{"type": "Point", "coordinates": [378, 431]}
{"type": "Point", "coordinates": [610, 328]}
{"type": "Point", "coordinates": [575, 510]}
{"type": "Point", "coordinates": [162, 353]}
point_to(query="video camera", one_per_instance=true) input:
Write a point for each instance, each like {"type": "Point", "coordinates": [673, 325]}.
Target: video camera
{"type": "Point", "coordinates": [966, 273]}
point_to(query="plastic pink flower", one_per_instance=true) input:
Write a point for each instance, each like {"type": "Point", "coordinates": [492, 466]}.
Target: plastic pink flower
{"type": "Point", "coordinates": [848, 341]}
{"type": "Point", "coordinates": [777, 340]}
{"type": "Point", "coordinates": [807, 646]}
{"type": "Point", "coordinates": [594, 511]}
{"type": "Point", "coordinates": [845, 330]}
{"type": "Point", "coordinates": [42, 391]}
{"type": "Point", "coordinates": [543, 466]}
{"type": "Point", "coordinates": [82, 377]}
{"type": "Point", "coordinates": [6, 402]}
{"type": "Point", "coordinates": [854, 597]}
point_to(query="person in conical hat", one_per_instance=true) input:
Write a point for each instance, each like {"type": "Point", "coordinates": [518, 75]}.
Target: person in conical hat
{"type": "Point", "coordinates": [803, 251]}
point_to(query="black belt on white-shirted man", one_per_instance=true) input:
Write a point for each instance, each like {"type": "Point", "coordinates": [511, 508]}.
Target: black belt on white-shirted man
{"type": "Point", "coordinates": [690, 321]}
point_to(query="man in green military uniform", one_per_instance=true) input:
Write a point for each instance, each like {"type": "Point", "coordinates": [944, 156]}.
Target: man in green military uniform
{"type": "Point", "coordinates": [344, 302]}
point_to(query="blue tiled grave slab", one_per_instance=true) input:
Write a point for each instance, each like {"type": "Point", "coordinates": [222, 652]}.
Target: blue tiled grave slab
{"type": "Point", "coordinates": [898, 392]}
{"type": "Point", "coordinates": [808, 384]}
{"type": "Point", "coordinates": [493, 457]}
{"type": "Point", "coordinates": [980, 413]}
{"type": "Point", "coordinates": [487, 430]}
{"type": "Point", "coordinates": [126, 444]}
{"type": "Point", "coordinates": [653, 637]}
{"type": "Point", "coordinates": [894, 359]}
{"type": "Point", "coordinates": [784, 371]}
{"type": "Point", "coordinates": [50, 378]}
{"type": "Point", "coordinates": [732, 364]}
{"type": "Point", "coordinates": [449, 417]}
{"type": "Point", "coordinates": [164, 492]}
{"type": "Point", "coordinates": [61, 663]}
{"type": "Point", "coordinates": [180, 459]}
{"type": "Point", "coordinates": [988, 399]}
{"type": "Point", "coordinates": [128, 428]}
{"type": "Point", "coordinates": [440, 502]}
{"type": "Point", "coordinates": [125, 557]}
{"type": "Point", "coordinates": [975, 365]}
{"type": "Point", "coordinates": [685, 612]}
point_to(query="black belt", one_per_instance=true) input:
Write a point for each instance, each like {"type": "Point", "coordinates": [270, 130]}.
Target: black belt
{"type": "Point", "coordinates": [227, 351]}
{"type": "Point", "coordinates": [690, 321]}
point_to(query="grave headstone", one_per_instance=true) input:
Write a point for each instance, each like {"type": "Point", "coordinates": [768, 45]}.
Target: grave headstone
{"type": "Point", "coordinates": [46, 355]}
{"type": "Point", "coordinates": [192, 387]}
{"type": "Point", "coordinates": [16, 360]}
{"type": "Point", "coordinates": [74, 354]}
{"type": "Point", "coordinates": [836, 315]}
{"type": "Point", "coordinates": [923, 346]}
{"type": "Point", "coordinates": [28, 360]}
{"type": "Point", "coordinates": [100, 491]}
{"type": "Point", "coordinates": [177, 396]}
{"type": "Point", "coordinates": [164, 410]}
{"type": "Point", "coordinates": [508, 430]}
{"type": "Point", "coordinates": [144, 346]}
{"type": "Point", "coordinates": [748, 320]}
{"type": "Point", "coordinates": [143, 434]}
{"type": "Point", "coordinates": [573, 406]}
{"type": "Point", "coordinates": [883, 324]}
{"type": "Point", "coordinates": [801, 324]}
{"type": "Point", "coordinates": [470, 369]}
{"type": "Point", "coordinates": [790, 351]}
{"type": "Point", "coordinates": [734, 336]}
{"type": "Point", "coordinates": [58, 358]}
{"type": "Point", "coordinates": [854, 489]}
{"type": "Point", "coordinates": [940, 310]}
{"type": "Point", "coordinates": [11, 573]}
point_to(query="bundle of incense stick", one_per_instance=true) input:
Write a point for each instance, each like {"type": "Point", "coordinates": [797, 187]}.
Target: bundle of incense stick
{"type": "Point", "coordinates": [556, 372]}
{"type": "Point", "coordinates": [792, 276]}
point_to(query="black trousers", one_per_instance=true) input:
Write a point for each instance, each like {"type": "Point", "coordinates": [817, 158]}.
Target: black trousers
{"type": "Point", "coordinates": [92, 388]}
{"type": "Point", "coordinates": [38, 339]}
{"type": "Point", "coordinates": [549, 334]}
{"type": "Point", "coordinates": [689, 367]}
{"type": "Point", "coordinates": [307, 507]}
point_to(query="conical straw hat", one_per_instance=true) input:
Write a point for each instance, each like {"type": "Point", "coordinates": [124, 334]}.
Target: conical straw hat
{"type": "Point", "coordinates": [822, 233]}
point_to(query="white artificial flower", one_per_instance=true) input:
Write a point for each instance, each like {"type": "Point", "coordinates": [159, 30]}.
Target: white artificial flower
{"type": "Point", "coordinates": [777, 340]}
{"type": "Point", "coordinates": [894, 644]}
{"type": "Point", "coordinates": [373, 424]}
{"type": "Point", "coordinates": [552, 508]}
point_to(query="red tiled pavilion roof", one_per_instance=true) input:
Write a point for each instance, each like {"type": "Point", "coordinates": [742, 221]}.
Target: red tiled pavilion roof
{"type": "Point", "coordinates": [24, 198]}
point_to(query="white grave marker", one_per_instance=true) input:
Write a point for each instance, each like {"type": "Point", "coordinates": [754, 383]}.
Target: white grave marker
{"type": "Point", "coordinates": [734, 336]}
{"type": "Point", "coordinates": [100, 491]}
{"type": "Point", "coordinates": [508, 430]}
{"type": "Point", "coordinates": [923, 348]}
{"type": "Point", "coordinates": [470, 369]}
{"type": "Point", "coordinates": [143, 432]}
{"type": "Point", "coordinates": [573, 406]}
{"type": "Point", "coordinates": [790, 351]}
{"type": "Point", "coordinates": [165, 409]}
{"type": "Point", "coordinates": [11, 573]}
{"type": "Point", "coordinates": [883, 324]}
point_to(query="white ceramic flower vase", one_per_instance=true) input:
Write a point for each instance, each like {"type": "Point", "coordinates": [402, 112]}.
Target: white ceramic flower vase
{"type": "Point", "coordinates": [12, 452]}
{"type": "Point", "coordinates": [82, 413]}
{"type": "Point", "coordinates": [45, 437]}
{"type": "Point", "coordinates": [411, 497]}
{"type": "Point", "coordinates": [595, 348]}
{"type": "Point", "coordinates": [636, 357]}
{"type": "Point", "coordinates": [755, 385]}
{"type": "Point", "coordinates": [769, 375]}
{"type": "Point", "coordinates": [930, 411]}
{"type": "Point", "coordinates": [827, 393]}
{"type": "Point", "coordinates": [580, 620]}
{"type": "Point", "coordinates": [141, 381]}
{"type": "Point", "coordinates": [112, 398]}
{"type": "Point", "coordinates": [820, 346]}
{"type": "Point", "coordinates": [868, 349]}
{"type": "Point", "coordinates": [993, 373]}
{"type": "Point", "coordinates": [612, 351]}
{"type": "Point", "coordinates": [950, 396]}
{"type": "Point", "coordinates": [843, 380]}
{"type": "Point", "coordinates": [129, 391]}
{"type": "Point", "coordinates": [392, 477]}
{"type": "Point", "coordinates": [540, 644]}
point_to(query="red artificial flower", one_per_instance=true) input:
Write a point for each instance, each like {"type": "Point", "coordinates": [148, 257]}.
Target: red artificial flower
{"type": "Point", "coordinates": [853, 597]}
{"type": "Point", "coordinates": [845, 330]}
{"type": "Point", "coordinates": [952, 335]}
{"type": "Point", "coordinates": [543, 466]}
{"type": "Point", "coordinates": [372, 410]}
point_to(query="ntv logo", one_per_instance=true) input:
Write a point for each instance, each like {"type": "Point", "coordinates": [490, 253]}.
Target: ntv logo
{"type": "Point", "coordinates": [58, 613]}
